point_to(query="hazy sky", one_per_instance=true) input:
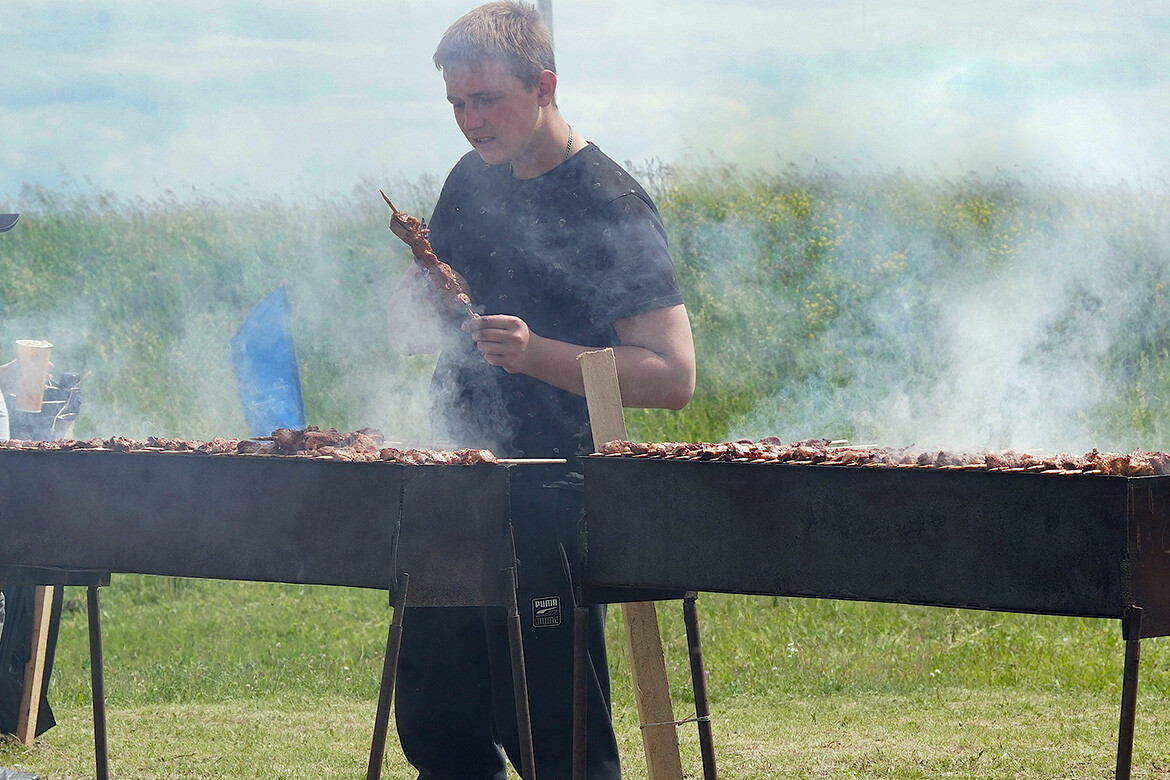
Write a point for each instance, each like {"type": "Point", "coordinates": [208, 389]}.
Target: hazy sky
{"type": "Point", "coordinates": [270, 96]}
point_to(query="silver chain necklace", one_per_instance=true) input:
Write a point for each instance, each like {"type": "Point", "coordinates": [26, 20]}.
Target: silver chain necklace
{"type": "Point", "coordinates": [568, 149]}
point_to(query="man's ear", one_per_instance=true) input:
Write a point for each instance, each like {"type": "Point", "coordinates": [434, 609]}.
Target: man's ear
{"type": "Point", "coordinates": [546, 88]}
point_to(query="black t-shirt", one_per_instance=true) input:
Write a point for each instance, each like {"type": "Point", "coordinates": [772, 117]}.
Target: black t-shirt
{"type": "Point", "coordinates": [570, 253]}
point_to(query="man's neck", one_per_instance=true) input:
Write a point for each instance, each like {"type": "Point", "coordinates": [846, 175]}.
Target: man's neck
{"type": "Point", "coordinates": [549, 149]}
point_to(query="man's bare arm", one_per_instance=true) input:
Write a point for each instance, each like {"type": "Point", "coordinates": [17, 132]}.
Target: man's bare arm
{"type": "Point", "coordinates": [656, 359]}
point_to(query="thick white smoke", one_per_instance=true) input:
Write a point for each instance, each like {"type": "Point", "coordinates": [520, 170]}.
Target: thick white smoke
{"type": "Point", "coordinates": [1036, 349]}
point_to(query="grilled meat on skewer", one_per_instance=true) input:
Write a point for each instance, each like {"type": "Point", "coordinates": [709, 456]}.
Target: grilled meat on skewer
{"type": "Point", "coordinates": [415, 234]}
{"type": "Point", "coordinates": [819, 451]}
{"type": "Point", "coordinates": [311, 442]}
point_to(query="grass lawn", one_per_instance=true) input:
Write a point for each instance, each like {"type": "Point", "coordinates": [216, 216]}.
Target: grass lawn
{"type": "Point", "coordinates": [242, 680]}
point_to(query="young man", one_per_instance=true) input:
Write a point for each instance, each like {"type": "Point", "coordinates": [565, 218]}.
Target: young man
{"type": "Point", "coordinates": [562, 252]}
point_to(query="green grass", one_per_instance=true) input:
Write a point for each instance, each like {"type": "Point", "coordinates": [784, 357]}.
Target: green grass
{"type": "Point", "coordinates": [246, 680]}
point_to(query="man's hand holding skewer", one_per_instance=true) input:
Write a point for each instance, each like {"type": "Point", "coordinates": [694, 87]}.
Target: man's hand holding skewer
{"type": "Point", "coordinates": [505, 341]}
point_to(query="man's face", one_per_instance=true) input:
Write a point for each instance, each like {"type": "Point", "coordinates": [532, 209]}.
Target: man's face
{"type": "Point", "coordinates": [494, 109]}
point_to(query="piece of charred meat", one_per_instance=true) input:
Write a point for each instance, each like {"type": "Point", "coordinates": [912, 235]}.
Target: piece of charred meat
{"type": "Point", "coordinates": [414, 233]}
{"type": "Point", "coordinates": [424, 457]}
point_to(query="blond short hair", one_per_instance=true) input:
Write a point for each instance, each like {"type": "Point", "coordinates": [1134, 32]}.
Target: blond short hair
{"type": "Point", "coordinates": [511, 33]}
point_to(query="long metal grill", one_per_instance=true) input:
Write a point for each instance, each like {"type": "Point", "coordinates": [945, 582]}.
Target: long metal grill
{"type": "Point", "coordinates": [1084, 545]}
{"type": "Point", "coordinates": [244, 517]}
{"type": "Point", "coordinates": [1020, 542]}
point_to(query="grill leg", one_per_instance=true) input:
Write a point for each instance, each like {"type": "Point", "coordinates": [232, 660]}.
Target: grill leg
{"type": "Point", "coordinates": [520, 681]}
{"type": "Point", "coordinates": [97, 683]}
{"type": "Point", "coordinates": [699, 682]}
{"type": "Point", "coordinates": [580, 694]}
{"type": "Point", "coordinates": [386, 691]}
{"type": "Point", "coordinates": [1132, 627]}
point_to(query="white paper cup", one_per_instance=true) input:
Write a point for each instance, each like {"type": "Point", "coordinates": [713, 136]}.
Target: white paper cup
{"type": "Point", "coordinates": [32, 358]}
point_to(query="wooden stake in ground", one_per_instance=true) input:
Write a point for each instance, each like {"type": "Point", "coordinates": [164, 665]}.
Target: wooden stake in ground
{"type": "Point", "coordinates": [34, 670]}
{"type": "Point", "coordinates": [643, 639]}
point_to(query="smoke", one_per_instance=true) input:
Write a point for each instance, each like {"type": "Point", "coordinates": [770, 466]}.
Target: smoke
{"type": "Point", "coordinates": [1028, 332]}
{"type": "Point", "coordinates": [142, 299]}
{"type": "Point", "coordinates": [995, 313]}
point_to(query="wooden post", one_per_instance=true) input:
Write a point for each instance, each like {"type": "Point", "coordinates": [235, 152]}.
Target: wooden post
{"type": "Point", "coordinates": [34, 670]}
{"type": "Point", "coordinates": [643, 638]}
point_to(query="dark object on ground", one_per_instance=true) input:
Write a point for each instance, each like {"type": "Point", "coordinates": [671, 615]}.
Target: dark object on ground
{"type": "Point", "coordinates": [12, 774]}
{"type": "Point", "coordinates": [15, 650]}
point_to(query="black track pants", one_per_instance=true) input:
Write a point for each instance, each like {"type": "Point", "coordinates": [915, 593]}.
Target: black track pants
{"type": "Point", "coordinates": [454, 701]}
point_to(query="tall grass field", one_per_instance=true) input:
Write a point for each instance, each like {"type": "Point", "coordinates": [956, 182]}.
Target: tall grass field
{"type": "Point", "coordinates": [999, 312]}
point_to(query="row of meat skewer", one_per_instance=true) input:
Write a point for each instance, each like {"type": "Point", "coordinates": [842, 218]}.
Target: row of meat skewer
{"type": "Point", "coordinates": [364, 445]}
{"type": "Point", "coordinates": [369, 445]}
{"type": "Point", "coordinates": [833, 453]}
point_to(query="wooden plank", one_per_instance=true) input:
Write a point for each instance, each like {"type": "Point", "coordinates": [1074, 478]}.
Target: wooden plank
{"type": "Point", "coordinates": [34, 670]}
{"type": "Point", "coordinates": [643, 638]}
{"type": "Point", "coordinates": [652, 691]}
{"type": "Point", "coordinates": [603, 396]}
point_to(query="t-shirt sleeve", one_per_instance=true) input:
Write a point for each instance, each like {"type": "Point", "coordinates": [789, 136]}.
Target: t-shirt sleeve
{"type": "Point", "coordinates": [641, 274]}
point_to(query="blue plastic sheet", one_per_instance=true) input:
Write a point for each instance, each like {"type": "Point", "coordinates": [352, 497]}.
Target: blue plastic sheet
{"type": "Point", "coordinates": [265, 360]}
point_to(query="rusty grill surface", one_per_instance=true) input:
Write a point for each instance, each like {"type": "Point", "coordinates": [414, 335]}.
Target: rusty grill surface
{"type": "Point", "coordinates": [1019, 542]}
{"type": "Point", "coordinates": [258, 518]}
